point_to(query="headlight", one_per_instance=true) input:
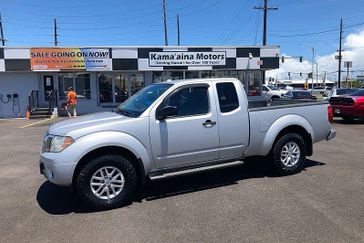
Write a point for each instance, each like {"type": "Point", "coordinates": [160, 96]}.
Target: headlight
{"type": "Point", "coordinates": [55, 144]}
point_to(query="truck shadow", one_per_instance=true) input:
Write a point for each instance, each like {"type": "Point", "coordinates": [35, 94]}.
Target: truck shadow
{"type": "Point", "coordinates": [60, 200]}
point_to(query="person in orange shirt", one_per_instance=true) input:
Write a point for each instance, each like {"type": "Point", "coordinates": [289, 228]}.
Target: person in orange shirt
{"type": "Point", "coordinates": [71, 102]}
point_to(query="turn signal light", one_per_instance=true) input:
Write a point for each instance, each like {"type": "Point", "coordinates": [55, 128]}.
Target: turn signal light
{"type": "Point", "coordinates": [330, 114]}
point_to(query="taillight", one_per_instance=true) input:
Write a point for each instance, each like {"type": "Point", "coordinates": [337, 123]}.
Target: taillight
{"type": "Point", "coordinates": [330, 114]}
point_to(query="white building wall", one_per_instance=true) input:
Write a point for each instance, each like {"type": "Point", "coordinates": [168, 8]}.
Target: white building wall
{"type": "Point", "coordinates": [21, 84]}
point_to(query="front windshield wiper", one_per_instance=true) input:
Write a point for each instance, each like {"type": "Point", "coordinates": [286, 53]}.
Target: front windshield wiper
{"type": "Point", "coordinates": [123, 112]}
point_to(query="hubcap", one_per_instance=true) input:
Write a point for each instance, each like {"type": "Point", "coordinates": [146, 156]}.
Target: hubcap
{"type": "Point", "coordinates": [290, 154]}
{"type": "Point", "coordinates": [107, 182]}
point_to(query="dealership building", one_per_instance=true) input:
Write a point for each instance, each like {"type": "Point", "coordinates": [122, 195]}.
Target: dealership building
{"type": "Point", "coordinates": [103, 77]}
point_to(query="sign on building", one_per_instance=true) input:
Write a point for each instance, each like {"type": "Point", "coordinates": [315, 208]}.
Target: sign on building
{"type": "Point", "coordinates": [90, 59]}
{"type": "Point", "coordinates": [180, 58]}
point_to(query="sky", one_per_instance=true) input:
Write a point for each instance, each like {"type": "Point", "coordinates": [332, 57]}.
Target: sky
{"type": "Point", "coordinates": [297, 26]}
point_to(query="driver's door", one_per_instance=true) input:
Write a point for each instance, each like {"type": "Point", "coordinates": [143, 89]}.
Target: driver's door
{"type": "Point", "coordinates": [189, 137]}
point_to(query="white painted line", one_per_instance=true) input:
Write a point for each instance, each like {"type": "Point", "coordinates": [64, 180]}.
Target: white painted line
{"type": "Point", "coordinates": [35, 123]}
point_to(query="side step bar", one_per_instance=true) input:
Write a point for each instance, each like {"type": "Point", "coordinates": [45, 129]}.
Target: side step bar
{"type": "Point", "coordinates": [194, 170]}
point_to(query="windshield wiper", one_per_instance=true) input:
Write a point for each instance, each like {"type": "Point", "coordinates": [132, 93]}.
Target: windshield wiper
{"type": "Point", "coordinates": [122, 112]}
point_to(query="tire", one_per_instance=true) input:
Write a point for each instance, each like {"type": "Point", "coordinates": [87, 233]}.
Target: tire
{"type": "Point", "coordinates": [106, 193]}
{"type": "Point", "coordinates": [285, 158]}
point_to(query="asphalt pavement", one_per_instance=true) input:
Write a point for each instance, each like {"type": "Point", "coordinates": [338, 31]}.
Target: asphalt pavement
{"type": "Point", "coordinates": [323, 203]}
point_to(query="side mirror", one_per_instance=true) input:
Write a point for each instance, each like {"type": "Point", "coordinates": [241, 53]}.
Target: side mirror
{"type": "Point", "coordinates": [166, 112]}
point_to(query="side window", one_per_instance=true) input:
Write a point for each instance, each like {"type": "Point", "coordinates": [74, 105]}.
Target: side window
{"type": "Point", "coordinates": [228, 98]}
{"type": "Point", "coordinates": [265, 88]}
{"type": "Point", "coordinates": [189, 101]}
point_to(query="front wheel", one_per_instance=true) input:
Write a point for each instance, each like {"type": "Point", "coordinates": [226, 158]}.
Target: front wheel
{"type": "Point", "coordinates": [289, 154]}
{"type": "Point", "coordinates": [106, 182]}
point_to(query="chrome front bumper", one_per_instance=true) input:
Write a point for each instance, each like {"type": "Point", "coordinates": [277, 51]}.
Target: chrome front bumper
{"type": "Point", "coordinates": [331, 135]}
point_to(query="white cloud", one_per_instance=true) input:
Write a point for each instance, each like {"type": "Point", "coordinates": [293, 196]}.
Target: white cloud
{"type": "Point", "coordinates": [354, 51]}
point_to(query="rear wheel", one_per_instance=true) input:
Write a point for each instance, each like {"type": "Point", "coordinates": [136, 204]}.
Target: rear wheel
{"type": "Point", "coordinates": [106, 182]}
{"type": "Point", "coordinates": [289, 154]}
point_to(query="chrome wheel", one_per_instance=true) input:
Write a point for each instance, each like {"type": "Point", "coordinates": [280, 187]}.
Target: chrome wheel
{"type": "Point", "coordinates": [290, 154]}
{"type": "Point", "coordinates": [107, 182]}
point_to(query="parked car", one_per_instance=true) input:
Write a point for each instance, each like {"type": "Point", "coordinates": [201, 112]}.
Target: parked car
{"type": "Point", "coordinates": [321, 90]}
{"type": "Point", "coordinates": [175, 128]}
{"type": "Point", "coordinates": [349, 106]}
{"type": "Point", "coordinates": [299, 95]}
{"type": "Point", "coordinates": [272, 92]}
{"type": "Point", "coordinates": [339, 91]}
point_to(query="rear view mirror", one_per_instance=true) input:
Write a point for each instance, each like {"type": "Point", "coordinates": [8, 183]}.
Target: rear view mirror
{"type": "Point", "coordinates": [166, 112]}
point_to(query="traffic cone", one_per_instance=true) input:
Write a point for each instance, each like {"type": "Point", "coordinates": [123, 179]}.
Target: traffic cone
{"type": "Point", "coordinates": [27, 113]}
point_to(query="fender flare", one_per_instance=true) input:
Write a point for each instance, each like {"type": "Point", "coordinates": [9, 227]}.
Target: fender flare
{"type": "Point", "coordinates": [279, 125]}
{"type": "Point", "coordinates": [92, 142]}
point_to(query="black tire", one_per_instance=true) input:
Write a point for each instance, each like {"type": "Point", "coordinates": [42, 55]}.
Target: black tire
{"type": "Point", "coordinates": [83, 188]}
{"type": "Point", "coordinates": [279, 166]}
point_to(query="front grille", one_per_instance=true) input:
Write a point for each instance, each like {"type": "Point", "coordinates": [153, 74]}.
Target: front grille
{"type": "Point", "coordinates": [344, 101]}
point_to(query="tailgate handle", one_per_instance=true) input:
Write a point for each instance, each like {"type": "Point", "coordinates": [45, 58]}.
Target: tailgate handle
{"type": "Point", "coordinates": [209, 123]}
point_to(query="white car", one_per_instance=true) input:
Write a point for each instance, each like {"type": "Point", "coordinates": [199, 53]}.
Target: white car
{"type": "Point", "coordinates": [272, 92]}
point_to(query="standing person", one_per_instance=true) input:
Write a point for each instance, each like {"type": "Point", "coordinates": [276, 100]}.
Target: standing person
{"type": "Point", "coordinates": [71, 102]}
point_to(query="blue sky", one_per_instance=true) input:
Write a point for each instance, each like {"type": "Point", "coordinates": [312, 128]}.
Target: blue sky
{"type": "Point", "coordinates": [203, 22]}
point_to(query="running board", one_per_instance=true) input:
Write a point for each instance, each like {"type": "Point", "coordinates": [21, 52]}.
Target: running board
{"type": "Point", "coordinates": [194, 170]}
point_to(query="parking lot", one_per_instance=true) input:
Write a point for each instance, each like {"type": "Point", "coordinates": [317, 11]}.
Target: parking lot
{"type": "Point", "coordinates": [325, 202]}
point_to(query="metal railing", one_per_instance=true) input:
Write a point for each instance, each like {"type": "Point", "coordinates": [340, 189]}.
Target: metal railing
{"type": "Point", "coordinates": [33, 100]}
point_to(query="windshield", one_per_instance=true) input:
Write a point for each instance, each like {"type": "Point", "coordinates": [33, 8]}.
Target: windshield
{"type": "Point", "coordinates": [140, 101]}
{"type": "Point", "coordinates": [358, 93]}
{"type": "Point", "coordinates": [272, 87]}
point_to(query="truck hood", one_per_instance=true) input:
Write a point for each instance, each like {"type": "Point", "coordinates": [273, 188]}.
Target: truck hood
{"type": "Point", "coordinates": [85, 122]}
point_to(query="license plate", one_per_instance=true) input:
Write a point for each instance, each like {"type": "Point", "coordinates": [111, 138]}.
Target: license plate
{"type": "Point", "coordinates": [337, 111]}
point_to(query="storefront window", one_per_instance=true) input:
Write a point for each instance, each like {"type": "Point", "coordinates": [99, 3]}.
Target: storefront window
{"type": "Point", "coordinates": [208, 74]}
{"type": "Point", "coordinates": [65, 80]}
{"type": "Point", "coordinates": [121, 88]}
{"type": "Point", "coordinates": [118, 87]}
{"type": "Point", "coordinates": [191, 74]}
{"type": "Point", "coordinates": [161, 76]}
{"type": "Point", "coordinates": [82, 81]}
{"type": "Point", "coordinates": [105, 88]}
{"type": "Point", "coordinates": [254, 81]}
{"type": "Point", "coordinates": [136, 82]}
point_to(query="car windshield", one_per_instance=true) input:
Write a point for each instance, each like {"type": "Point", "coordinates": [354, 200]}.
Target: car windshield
{"type": "Point", "coordinates": [139, 102]}
{"type": "Point", "coordinates": [358, 93]}
{"type": "Point", "coordinates": [272, 87]}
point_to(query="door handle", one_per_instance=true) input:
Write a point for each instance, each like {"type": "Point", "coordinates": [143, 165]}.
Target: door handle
{"type": "Point", "coordinates": [209, 123]}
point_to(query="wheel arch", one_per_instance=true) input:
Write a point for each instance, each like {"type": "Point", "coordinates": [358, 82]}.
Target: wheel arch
{"type": "Point", "coordinates": [112, 149]}
{"type": "Point", "coordinates": [289, 124]}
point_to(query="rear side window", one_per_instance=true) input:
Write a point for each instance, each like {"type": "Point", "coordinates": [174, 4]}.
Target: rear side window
{"type": "Point", "coordinates": [189, 101]}
{"type": "Point", "coordinates": [228, 98]}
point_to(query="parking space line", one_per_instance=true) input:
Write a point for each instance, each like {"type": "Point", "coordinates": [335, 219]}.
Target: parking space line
{"type": "Point", "coordinates": [35, 123]}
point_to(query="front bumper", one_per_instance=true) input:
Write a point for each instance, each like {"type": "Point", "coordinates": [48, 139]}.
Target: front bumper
{"type": "Point", "coordinates": [331, 134]}
{"type": "Point", "coordinates": [56, 171]}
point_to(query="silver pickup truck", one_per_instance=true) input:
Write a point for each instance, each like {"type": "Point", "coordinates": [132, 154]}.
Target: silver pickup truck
{"type": "Point", "coordinates": [174, 128]}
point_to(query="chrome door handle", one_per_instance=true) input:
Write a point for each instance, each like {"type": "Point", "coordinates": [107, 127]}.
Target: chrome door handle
{"type": "Point", "coordinates": [209, 123]}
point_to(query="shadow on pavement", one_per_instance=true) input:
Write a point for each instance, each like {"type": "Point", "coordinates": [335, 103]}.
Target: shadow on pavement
{"type": "Point", "coordinates": [354, 121]}
{"type": "Point", "coordinates": [60, 200]}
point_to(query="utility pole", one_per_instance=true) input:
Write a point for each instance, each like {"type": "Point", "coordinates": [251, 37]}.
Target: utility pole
{"type": "Point", "coordinates": [340, 49]}
{"type": "Point", "coordinates": [55, 33]}
{"type": "Point", "coordinates": [165, 23]}
{"type": "Point", "coordinates": [313, 63]}
{"type": "Point", "coordinates": [178, 33]}
{"type": "Point", "coordinates": [265, 9]}
{"type": "Point", "coordinates": [2, 38]}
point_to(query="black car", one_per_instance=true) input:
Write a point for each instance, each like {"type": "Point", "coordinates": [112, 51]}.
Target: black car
{"type": "Point", "coordinates": [299, 95]}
